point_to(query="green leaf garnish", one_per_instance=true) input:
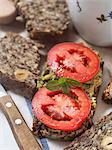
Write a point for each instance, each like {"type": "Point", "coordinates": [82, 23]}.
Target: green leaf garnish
{"type": "Point", "coordinates": [53, 85]}
{"type": "Point", "coordinates": [63, 84]}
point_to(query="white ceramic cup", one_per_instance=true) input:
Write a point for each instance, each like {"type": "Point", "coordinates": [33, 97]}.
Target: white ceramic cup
{"type": "Point", "coordinates": [93, 20]}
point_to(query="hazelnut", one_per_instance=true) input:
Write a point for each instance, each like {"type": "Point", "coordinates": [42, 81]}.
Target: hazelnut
{"type": "Point", "coordinates": [21, 74]}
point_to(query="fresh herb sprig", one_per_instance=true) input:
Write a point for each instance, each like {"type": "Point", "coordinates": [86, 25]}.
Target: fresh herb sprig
{"type": "Point", "coordinates": [62, 84]}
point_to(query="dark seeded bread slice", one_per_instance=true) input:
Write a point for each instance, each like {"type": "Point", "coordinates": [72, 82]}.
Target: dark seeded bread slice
{"type": "Point", "coordinates": [107, 94]}
{"type": "Point", "coordinates": [44, 18]}
{"type": "Point", "coordinates": [99, 137]}
{"type": "Point", "coordinates": [41, 130]}
{"type": "Point", "coordinates": [19, 61]}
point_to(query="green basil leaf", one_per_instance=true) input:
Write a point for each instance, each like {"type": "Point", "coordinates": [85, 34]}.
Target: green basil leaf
{"type": "Point", "coordinates": [65, 88]}
{"type": "Point", "coordinates": [73, 83]}
{"type": "Point", "coordinates": [62, 80]}
{"type": "Point", "coordinates": [63, 84]}
{"type": "Point", "coordinates": [53, 85]}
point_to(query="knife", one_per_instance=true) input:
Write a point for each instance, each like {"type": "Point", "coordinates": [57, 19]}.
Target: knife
{"type": "Point", "coordinates": [22, 133]}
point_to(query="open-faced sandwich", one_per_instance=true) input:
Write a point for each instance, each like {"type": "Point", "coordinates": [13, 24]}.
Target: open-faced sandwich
{"type": "Point", "coordinates": [65, 102]}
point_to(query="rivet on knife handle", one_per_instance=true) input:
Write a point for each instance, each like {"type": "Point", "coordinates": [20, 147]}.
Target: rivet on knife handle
{"type": "Point", "coordinates": [22, 133]}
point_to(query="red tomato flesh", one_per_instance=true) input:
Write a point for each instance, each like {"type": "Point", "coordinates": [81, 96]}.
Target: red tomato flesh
{"type": "Point", "coordinates": [73, 61]}
{"type": "Point", "coordinates": [60, 111]}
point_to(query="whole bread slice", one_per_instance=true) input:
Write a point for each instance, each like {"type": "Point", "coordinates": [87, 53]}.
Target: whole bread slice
{"type": "Point", "coordinates": [99, 137]}
{"type": "Point", "coordinates": [107, 94]}
{"type": "Point", "coordinates": [44, 18]}
{"type": "Point", "coordinates": [19, 62]}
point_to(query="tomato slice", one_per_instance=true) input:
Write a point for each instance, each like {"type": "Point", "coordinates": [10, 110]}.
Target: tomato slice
{"type": "Point", "coordinates": [60, 111]}
{"type": "Point", "coordinates": [74, 61]}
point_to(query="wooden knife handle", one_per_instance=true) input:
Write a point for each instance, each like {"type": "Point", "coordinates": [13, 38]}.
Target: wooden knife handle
{"type": "Point", "coordinates": [22, 133]}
